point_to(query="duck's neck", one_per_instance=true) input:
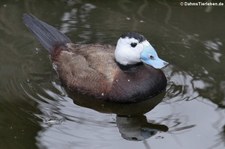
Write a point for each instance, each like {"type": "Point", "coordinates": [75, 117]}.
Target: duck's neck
{"type": "Point", "coordinates": [129, 66]}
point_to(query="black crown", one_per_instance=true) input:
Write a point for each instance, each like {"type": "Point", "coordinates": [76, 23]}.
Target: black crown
{"type": "Point", "coordinates": [134, 35]}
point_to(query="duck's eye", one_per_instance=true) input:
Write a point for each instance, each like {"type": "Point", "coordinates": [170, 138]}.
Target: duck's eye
{"type": "Point", "coordinates": [151, 57]}
{"type": "Point", "coordinates": [133, 44]}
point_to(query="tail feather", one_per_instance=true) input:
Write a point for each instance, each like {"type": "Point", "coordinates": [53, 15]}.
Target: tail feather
{"type": "Point", "coordinates": [47, 35]}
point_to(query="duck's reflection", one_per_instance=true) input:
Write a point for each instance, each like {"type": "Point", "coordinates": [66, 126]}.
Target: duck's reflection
{"type": "Point", "coordinates": [137, 128]}
{"type": "Point", "coordinates": [130, 119]}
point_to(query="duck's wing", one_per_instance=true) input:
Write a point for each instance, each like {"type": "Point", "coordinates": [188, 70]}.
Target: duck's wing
{"type": "Point", "coordinates": [87, 68]}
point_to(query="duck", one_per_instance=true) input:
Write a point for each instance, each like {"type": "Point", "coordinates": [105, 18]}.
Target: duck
{"type": "Point", "coordinates": [129, 72]}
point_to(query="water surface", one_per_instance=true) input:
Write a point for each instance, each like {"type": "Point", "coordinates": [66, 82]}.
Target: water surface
{"type": "Point", "coordinates": [36, 112]}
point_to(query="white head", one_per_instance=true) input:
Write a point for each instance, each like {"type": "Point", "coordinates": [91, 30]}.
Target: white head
{"type": "Point", "coordinates": [133, 48]}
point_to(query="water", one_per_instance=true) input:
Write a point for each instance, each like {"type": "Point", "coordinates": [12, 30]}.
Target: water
{"type": "Point", "coordinates": [35, 111]}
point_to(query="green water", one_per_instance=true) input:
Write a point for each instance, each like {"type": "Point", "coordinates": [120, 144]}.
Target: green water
{"type": "Point", "coordinates": [35, 111]}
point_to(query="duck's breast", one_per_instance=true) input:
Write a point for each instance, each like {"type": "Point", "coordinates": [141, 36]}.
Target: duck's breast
{"type": "Point", "coordinates": [137, 84]}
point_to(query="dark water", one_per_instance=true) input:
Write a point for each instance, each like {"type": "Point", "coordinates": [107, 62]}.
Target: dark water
{"type": "Point", "coordinates": [35, 111]}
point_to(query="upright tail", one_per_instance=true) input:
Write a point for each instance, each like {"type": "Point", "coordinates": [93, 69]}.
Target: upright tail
{"type": "Point", "coordinates": [47, 35]}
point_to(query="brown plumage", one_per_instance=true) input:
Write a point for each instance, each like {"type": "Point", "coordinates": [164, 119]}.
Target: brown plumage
{"type": "Point", "coordinates": [92, 70]}
{"type": "Point", "coordinates": [83, 68]}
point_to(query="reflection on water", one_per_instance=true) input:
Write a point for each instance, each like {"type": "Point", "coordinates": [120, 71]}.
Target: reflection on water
{"type": "Point", "coordinates": [137, 128]}
{"type": "Point", "coordinates": [36, 112]}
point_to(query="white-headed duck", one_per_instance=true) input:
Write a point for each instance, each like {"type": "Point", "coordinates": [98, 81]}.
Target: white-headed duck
{"type": "Point", "coordinates": [127, 72]}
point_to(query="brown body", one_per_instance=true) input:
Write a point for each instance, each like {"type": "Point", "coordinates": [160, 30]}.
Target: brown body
{"type": "Point", "coordinates": [92, 70]}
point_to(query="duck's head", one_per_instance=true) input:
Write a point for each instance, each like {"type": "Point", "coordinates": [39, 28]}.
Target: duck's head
{"type": "Point", "coordinates": [133, 48]}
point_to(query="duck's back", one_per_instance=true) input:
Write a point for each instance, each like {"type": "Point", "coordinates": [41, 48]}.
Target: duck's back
{"type": "Point", "coordinates": [89, 69]}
